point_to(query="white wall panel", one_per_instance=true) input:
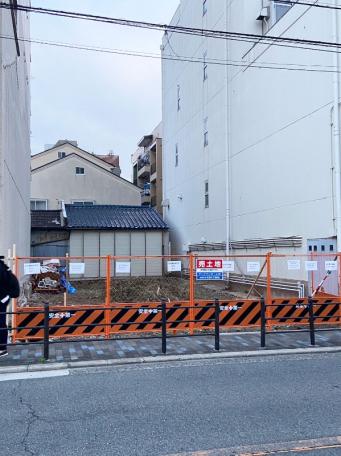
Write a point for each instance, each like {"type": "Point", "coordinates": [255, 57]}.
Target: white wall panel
{"type": "Point", "coordinates": [154, 247]}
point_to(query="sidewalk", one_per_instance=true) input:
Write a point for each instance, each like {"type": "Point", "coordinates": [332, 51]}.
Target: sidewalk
{"type": "Point", "coordinates": [141, 348]}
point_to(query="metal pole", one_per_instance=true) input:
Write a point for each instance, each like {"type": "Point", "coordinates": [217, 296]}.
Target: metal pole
{"type": "Point", "coordinates": [263, 322]}
{"type": "Point", "coordinates": [164, 326]}
{"type": "Point", "coordinates": [107, 328]}
{"type": "Point", "coordinates": [191, 293]}
{"type": "Point", "coordinates": [336, 129]}
{"type": "Point", "coordinates": [268, 311]}
{"type": "Point", "coordinates": [216, 325]}
{"type": "Point", "coordinates": [46, 330]}
{"type": "Point", "coordinates": [311, 321]}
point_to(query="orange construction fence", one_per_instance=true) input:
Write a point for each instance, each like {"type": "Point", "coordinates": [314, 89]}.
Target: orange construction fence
{"type": "Point", "coordinates": [268, 275]}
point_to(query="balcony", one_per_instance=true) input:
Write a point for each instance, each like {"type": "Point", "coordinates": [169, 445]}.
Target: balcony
{"type": "Point", "coordinates": [144, 171]}
{"type": "Point", "coordinates": [145, 200]}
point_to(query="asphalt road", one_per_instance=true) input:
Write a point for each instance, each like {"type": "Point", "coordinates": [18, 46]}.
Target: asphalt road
{"type": "Point", "coordinates": [177, 408]}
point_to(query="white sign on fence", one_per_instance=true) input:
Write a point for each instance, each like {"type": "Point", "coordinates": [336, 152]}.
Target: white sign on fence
{"type": "Point", "coordinates": [31, 268]}
{"type": "Point", "coordinates": [174, 266]}
{"type": "Point", "coordinates": [228, 266]}
{"type": "Point", "coordinates": [122, 267]}
{"type": "Point", "coordinates": [331, 265]}
{"type": "Point", "coordinates": [294, 265]}
{"type": "Point", "coordinates": [253, 266]}
{"type": "Point", "coordinates": [76, 268]}
{"type": "Point", "coordinates": [311, 265]}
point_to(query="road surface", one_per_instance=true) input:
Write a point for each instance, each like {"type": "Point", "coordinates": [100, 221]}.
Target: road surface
{"type": "Point", "coordinates": [186, 408]}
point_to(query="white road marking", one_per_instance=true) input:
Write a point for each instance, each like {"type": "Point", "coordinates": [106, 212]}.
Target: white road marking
{"type": "Point", "coordinates": [33, 375]}
{"type": "Point", "coordinates": [272, 449]}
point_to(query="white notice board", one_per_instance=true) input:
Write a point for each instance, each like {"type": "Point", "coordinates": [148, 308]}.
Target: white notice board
{"type": "Point", "coordinates": [253, 266]}
{"type": "Point", "coordinates": [174, 266]}
{"type": "Point", "coordinates": [76, 268]}
{"type": "Point", "coordinates": [311, 265]}
{"type": "Point", "coordinates": [294, 265]}
{"type": "Point", "coordinates": [228, 266]}
{"type": "Point", "coordinates": [31, 268]}
{"type": "Point", "coordinates": [122, 267]}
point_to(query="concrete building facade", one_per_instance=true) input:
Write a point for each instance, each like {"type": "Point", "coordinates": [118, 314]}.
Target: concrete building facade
{"type": "Point", "coordinates": [147, 169]}
{"type": "Point", "coordinates": [14, 131]}
{"type": "Point", "coordinates": [250, 154]}
{"type": "Point", "coordinates": [72, 175]}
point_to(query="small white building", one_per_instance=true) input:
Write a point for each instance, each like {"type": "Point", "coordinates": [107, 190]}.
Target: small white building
{"type": "Point", "coordinates": [102, 230]}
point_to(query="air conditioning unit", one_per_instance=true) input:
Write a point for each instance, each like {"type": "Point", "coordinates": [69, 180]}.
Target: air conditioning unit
{"type": "Point", "coordinates": [264, 14]}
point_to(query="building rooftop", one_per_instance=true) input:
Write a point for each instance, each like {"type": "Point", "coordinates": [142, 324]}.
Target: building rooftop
{"type": "Point", "coordinates": [109, 217]}
{"type": "Point", "coordinates": [111, 159]}
{"type": "Point", "coordinates": [47, 220]}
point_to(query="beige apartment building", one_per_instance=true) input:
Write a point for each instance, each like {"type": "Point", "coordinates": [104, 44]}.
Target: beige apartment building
{"type": "Point", "coordinates": [147, 169]}
{"type": "Point", "coordinates": [69, 174]}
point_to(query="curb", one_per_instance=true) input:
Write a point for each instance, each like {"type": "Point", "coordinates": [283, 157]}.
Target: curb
{"type": "Point", "coordinates": [163, 359]}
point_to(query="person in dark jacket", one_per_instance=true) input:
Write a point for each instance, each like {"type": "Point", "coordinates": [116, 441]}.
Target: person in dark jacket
{"type": "Point", "coordinates": [9, 288]}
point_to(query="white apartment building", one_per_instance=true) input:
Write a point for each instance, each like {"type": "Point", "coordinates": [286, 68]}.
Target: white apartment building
{"type": "Point", "coordinates": [14, 131]}
{"type": "Point", "coordinates": [251, 143]}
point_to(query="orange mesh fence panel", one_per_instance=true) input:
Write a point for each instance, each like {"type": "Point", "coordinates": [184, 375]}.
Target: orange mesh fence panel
{"type": "Point", "coordinates": [296, 312]}
{"type": "Point", "coordinates": [233, 314]}
{"type": "Point", "coordinates": [147, 317]}
{"type": "Point", "coordinates": [58, 316]}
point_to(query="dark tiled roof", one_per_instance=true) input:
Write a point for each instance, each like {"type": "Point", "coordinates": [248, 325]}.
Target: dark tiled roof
{"type": "Point", "coordinates": [113, 218]}
{"type": "Point", "coordinates": [46, 219]}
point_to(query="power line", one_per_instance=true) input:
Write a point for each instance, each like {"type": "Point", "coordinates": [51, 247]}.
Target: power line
{"type": "Point", "coordinates": [261, 65]}
{"type": "Point", "coordinates": [208, 33]}
{"type": "Point", "coordinates": [315, 5]}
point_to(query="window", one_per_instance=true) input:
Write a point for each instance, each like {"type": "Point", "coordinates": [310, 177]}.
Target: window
{"type": "Point", "coordinates": [204, 7]}
{"type": "Point", "coordinates": [83, 203]}
{"type": "Point", "coordinates": [38, 205]}
{"type": "Point", "coordinates": [206, 132]}
{"type": "Point", "coordinates": [280, 9]}
{"type": "Point", "coordinates": [331, 248]}
{"type": "Point", "coordinates": [207, 199]}
{"type": "Point", "coordinates": [61, 154]}
{"type": "Point", "coordinates": [205, 66]}
{"type": "Point", "coordinates": [179, 98]}
{"type": "Point", "coordinates": [80, 171]}
{"type": "Point", "coordinates": [176, 155]}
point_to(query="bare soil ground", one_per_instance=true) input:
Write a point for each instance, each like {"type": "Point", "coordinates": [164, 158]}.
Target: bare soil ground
{"type": "Point", "coordinates": [135, 289]}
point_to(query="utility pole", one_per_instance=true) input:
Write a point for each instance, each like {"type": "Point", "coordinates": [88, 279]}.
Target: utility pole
{"type": "Point", "coordinates": [336, 126]}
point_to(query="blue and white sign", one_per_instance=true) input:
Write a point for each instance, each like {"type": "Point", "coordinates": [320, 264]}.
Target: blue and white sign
{"type": "Point", "coordinates": [209, 275]}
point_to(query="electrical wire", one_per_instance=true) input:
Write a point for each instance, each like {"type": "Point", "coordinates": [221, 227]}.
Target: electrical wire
{"type": "Point", "coordinates": [262, 65]}
{"type": "Point", "coordinates": [208, 33]}
{"type": "Point", "coordinates": [305, 3]}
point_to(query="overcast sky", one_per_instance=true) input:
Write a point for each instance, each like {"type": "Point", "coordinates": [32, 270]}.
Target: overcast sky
{"type": "Point", "coordinates": [104, 101]}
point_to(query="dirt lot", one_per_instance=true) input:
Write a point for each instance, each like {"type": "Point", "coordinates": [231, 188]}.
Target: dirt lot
{"type": "Point", "coordinates": [137, 289]}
